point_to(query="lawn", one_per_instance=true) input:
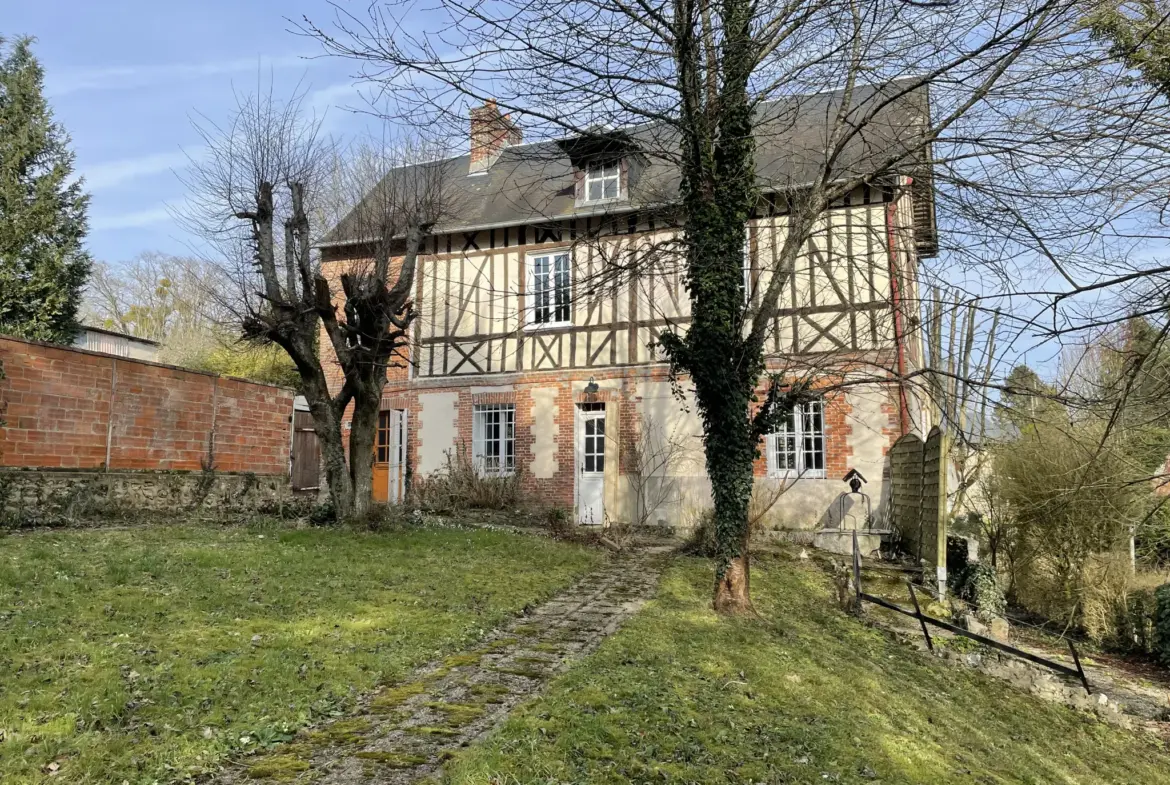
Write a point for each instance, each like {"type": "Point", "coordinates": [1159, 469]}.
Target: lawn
{"type": "Point", "coordinates": [803, 695]}
{"type": "Point", "coordinates": [152, 653]}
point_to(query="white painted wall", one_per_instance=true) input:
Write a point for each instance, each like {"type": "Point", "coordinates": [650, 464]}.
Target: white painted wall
{"type": "Point", "coordinates": [545, 432]}
{"type": "Point", "coordinates": [437, 429]}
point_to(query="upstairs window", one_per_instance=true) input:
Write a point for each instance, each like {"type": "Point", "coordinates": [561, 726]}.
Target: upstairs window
{"type": "Point", "coordinates": [551, 287]}
{"type": "Point", "coordinates": [493, 447]}
{"type": "Point", "coordinates": [797, 448]}
{"type": "Point", "coordinates": [603, 182]}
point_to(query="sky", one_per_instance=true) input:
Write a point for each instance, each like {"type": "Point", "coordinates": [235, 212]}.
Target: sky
{"type": "Point", "coordinates": [127, 78]}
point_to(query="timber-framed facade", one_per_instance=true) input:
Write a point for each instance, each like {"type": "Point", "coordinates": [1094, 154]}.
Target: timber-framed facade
{"type": "Point", "coordinates": [534, 347]}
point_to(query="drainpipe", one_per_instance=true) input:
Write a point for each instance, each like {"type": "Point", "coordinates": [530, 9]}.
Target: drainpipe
{"type": "Point", "coordinates": [896, 296]}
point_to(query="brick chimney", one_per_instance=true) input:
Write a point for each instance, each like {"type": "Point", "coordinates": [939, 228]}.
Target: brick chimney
{"type": "Point", "coordinates": [491, 132]}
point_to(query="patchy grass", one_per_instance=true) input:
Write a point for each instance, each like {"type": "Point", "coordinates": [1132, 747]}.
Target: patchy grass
{"type": "Point", "coordinates": [152, 653]}
{"type": "Point", "coordinates": [805, 695]}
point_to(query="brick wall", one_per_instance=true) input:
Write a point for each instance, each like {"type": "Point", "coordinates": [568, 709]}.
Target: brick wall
{"type": "Point", "coordinates": [70, 409]}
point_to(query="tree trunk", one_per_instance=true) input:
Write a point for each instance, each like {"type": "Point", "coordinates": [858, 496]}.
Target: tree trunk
{"type": "Point", "coordinates": [730, 453]}
{"type": "Point", "coordinates": [336, 470]}
{"type": "Point", "coordinates": [733, 589]}
{"type": "Point", "coordinates": [362, 435]}
{"type": "Point", "coordinates": [327, 424]}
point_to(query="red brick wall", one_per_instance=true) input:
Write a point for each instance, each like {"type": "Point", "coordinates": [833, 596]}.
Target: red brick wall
{"type": "Point", "coordinates": [68, 408]}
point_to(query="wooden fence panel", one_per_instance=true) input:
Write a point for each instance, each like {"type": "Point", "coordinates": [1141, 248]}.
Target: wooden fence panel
{"type": "Point", "coordinates": [918, 493]}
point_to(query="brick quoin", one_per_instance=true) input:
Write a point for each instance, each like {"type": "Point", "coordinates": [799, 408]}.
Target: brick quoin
{"type": "Point", "coordinates": [61, 404]}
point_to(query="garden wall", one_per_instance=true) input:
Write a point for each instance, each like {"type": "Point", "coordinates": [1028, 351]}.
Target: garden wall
{"type": "Point", "coordinates": [68, 414]}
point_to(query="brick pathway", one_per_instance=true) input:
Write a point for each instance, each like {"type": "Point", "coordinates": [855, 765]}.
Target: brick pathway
{"type": "Point", "coordinates": [405, 732]}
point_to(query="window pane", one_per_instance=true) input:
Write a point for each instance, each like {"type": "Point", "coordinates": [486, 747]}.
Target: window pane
{"type": "Point", "coordinates": [600, 462]}
{"type": "Point", "coordinates": [611, 188]}
{"type": "Point", "coordinates": [562, 286]}
{"type": "Point", "coordinates": [594, 191]}
{"type": "Point", "coordinates": [493, 443]}
{"type": "Point", "coordinates": [589, 462]}
{"type": "Point", "coordinates": [813, 432]}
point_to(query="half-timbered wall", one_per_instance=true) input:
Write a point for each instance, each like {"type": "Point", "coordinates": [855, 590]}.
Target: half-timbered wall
{"type": "Point", "coordinates": [473, 292]}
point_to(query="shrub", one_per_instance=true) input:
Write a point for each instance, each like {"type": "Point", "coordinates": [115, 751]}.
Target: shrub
{"type": "Point", "coordinates": [1132, 625]}
{"type": "Point", "coordinates": [323, 514]}
{"type": "Point", "coordinates": [1069, 492]}
{"type": "Point", "coordinates": [980, 587]}
{"type": "Point", "coordinates": [1162, 623]}
{"type": "Point", "coordinates": [559, 521]}
{"type": "Point", "coordinates": [460, 485]}
{"type": "Point", "coordinates": [701, 541]}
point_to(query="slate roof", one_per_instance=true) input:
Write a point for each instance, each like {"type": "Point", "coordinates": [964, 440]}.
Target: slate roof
{"type": "Point", "coordinates": [533, 183]}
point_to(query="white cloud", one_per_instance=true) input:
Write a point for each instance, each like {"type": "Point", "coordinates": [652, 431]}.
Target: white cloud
{"type": "Point", "coordinates": [112, 173]}
{"type": "Point", "coordinates": [132, 220]}
{"type": "Point", "coordinates": [133, 76]}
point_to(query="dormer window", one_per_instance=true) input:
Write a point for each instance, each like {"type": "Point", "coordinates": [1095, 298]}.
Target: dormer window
{"type": "Point", "coordinates": [603, 182]}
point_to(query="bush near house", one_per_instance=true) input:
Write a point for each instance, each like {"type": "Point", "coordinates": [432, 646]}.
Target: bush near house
{"type": "Point", "coordinates": [149, 654]}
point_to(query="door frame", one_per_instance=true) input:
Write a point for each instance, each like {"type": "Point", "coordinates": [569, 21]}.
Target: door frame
{"type": "Point", "coordinates": [395, 489]}
{"type": "Point", "coordinates": [579, 417]}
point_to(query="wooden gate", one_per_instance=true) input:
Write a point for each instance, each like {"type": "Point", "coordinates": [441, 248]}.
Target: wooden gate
{"type": "Point", "coordinates": [306, 454]}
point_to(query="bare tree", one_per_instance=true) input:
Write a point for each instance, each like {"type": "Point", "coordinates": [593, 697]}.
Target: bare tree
{"type": "Point", "coordinates": [156, 295]}
{"type": "Point", "coordinates": [266, 171]}
{"type": "Point", "coordinates": [650, 453]}
{"type": "Point", "coordinates": [1020, 100]}
{"type": "Point", "coordinates": [960, 373]}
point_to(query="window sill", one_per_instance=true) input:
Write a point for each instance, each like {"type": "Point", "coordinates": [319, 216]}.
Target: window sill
{"type": "Point", "coordinates": [819, 474]}
{"type": "Point", "coordinates": [596, 202]}
{"type": "Point", "coordinates": [533, 327]}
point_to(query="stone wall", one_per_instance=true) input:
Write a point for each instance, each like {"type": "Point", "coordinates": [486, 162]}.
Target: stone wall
{"type": "Point", "coordinates": [30, 497]}
{"type": "Point", "coordinates": [82, 431]}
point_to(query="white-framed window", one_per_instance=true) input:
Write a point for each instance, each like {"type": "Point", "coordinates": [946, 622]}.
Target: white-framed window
{"type": "Point", "coordinates": [493, 443]}
{"type": "Point", "coordinates": [551, 289]}
{"type": "Point", "coordinates": [603, 182]}
{"type": "Point", "coordinates": [797, 448]}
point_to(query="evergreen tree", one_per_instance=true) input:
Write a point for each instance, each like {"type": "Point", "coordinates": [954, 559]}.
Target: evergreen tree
{"type": "Point", "coordinates": [1137, 35]}
{"type": "Point", "coordinates": [43, 265]}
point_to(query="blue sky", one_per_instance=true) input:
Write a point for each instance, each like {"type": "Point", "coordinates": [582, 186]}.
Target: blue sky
{"type": "Point", "coordinates": [126, 78]}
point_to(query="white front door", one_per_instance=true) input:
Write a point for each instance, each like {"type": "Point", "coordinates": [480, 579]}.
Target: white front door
{"type": "Point", "coordinates": [397, 462]}
{"type": "Point", "coordinates": [591, 466]}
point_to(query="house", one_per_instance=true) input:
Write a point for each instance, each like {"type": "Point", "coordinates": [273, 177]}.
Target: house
{"type": "Point", "coordinates": [534, 347]}
{"type": "Point", "coordinates": [97, 339]}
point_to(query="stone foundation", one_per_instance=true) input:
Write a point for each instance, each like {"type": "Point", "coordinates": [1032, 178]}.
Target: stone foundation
{"type": "Point", "coordinates": [45, 496]}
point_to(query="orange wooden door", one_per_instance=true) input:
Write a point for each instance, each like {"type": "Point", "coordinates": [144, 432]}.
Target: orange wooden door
{"type": "Point", "coordinates": [382, 459]}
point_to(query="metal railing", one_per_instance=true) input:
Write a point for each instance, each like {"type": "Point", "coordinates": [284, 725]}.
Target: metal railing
{"type": "Point", "coordinates": [924, 619]}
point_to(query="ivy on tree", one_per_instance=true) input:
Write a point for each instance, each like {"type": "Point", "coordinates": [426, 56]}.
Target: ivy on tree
{"type": "Point", "coordinates": [43, 265]}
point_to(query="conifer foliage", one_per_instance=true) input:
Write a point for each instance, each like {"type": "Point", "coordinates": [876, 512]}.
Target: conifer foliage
{"type": "Point", "coordinates": [43, 265]}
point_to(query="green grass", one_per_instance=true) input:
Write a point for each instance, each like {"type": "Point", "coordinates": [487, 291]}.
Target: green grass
{"type": "Point", "coordinates": [805, 695]}
{"type": "Point", "coordinates": [133, 654]}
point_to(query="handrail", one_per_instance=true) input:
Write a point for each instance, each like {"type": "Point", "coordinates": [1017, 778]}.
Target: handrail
{"type": "Point", "coordinates": [923, 619]}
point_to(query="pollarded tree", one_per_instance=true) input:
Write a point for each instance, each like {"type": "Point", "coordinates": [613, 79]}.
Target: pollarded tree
{"type": "Point", "coordinates": [894, 93]}
{"type": "Point", "coordinates": [43, 265]}
{"type": "Point", "coordinates": [264, 176]}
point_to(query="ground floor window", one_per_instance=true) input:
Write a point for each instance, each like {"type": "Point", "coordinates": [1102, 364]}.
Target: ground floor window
{"type": "Point", "coordinates": [494, 438]}
{"type": "Point", "coordinates": [797, 448]}
{"type": "Point", "coordinates": [382, 444]}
